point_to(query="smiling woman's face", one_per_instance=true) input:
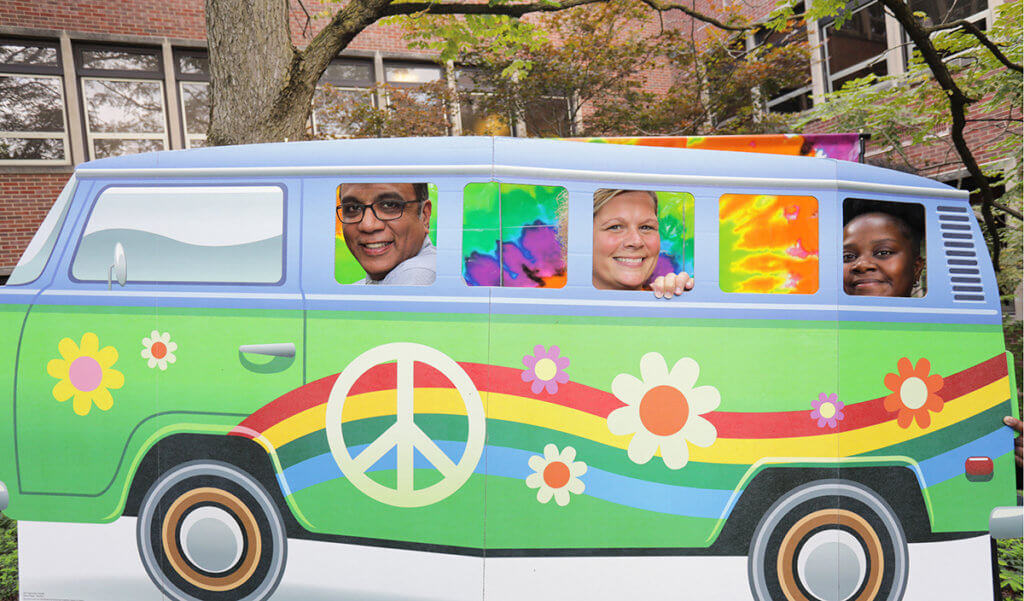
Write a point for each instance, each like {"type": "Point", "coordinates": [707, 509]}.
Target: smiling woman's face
{"type": "Point", "coordinates": [626, 242]}
{"type": "Point", "coordinates": [878, 257]}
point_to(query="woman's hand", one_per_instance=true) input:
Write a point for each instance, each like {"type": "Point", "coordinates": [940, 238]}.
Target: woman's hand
{"type": "Point", "coordinates": [671, 284]}
{"type": "Point", "coordinates": [1018, 443]}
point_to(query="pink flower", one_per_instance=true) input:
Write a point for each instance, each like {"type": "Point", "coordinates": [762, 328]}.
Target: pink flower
{"type": "Point", "coordinates": [545, 369]}
{"type": "Point", "coordinates": [828, 410]}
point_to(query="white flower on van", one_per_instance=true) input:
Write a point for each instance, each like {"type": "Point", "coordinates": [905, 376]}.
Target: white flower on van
{"type": "Point", "coordinates": [159, 350]}
{"type": "Point", "coordinates": [556, 474]}
{"type": "Point", "coordinates": [663, 410]}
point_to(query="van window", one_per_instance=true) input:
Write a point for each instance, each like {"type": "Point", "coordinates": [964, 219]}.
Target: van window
{"type": "Point", "coordinates": [645, 227]}
{"type": "Point", "coordinates": [768, 244]}
{"type": "Point", "coordinates": [884, 249]}
{"type": "Point", "coordinates": [514, 235]}
{"type": "Point", "coordinates": [229, 234]}
{"type": "Point", "coordinates": [385, 233]}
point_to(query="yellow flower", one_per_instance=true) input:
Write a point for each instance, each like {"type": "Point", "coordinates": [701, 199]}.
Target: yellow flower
{"type": "Point", "coordinates": [85, 373]}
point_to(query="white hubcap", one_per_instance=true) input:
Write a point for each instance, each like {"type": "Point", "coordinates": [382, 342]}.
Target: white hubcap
{"type": "Point", "coordinates": [211, 539]}
{"type": "Point", "coordinates": [832, 565]}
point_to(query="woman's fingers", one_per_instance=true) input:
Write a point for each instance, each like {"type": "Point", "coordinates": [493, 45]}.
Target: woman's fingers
{"type": "Point", "coordinates": [671, 284]}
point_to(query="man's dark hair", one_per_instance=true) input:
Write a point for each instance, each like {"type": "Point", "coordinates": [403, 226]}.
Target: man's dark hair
{"type": "Point", "coordinates": [909, 217]}
{"type": "Point", "coordinates": [421, 191]}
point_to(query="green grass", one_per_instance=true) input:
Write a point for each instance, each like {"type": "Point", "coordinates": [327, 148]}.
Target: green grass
{"type": "Point", "coordinates": [8, 559]}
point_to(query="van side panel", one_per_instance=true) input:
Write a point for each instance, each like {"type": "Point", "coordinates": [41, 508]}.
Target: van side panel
{"type": "Point", "coordinates": [966, 367]}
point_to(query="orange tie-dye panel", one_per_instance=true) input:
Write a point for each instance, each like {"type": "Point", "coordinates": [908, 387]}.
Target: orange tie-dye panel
{"type": "Point", "coordinates": [768, 244]}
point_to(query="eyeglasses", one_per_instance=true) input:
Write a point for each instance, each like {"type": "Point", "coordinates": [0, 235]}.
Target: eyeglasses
{"type": "Point", "coordinates": [384, 210]}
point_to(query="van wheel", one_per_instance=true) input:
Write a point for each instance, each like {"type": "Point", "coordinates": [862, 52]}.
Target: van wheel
{"type": "Point", "coordinates": [208, 531]}
{"type": "Point", "coordinates": [832, 540]}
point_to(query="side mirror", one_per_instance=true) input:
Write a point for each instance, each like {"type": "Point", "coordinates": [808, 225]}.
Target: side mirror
{"type": "Point", "coordinates": [119, 270]}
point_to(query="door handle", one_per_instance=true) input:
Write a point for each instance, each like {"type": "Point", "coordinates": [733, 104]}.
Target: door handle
{"type": "Point", "coordinates": [282, 349]}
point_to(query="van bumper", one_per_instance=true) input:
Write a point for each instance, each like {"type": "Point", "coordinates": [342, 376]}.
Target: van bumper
{"type": "Point", "coordinates": [3, 496]}
{"type": "Point", "coordinates": [1006, 522]}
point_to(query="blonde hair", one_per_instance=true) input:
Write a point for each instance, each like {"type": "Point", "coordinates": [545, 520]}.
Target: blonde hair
{"type": "Point", "coordinates": [604, 196]}
{"type": "Point", "coordinates": [601, 198]}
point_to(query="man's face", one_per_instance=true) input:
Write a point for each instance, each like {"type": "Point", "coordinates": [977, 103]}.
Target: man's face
{"type": "Point", "coordinates": [380, 246]}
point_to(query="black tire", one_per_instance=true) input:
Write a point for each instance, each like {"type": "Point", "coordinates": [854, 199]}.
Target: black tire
{"type": "Point", "coordinates": [831, 540]}
{"type": "Point", "coordinates": [208, 531]}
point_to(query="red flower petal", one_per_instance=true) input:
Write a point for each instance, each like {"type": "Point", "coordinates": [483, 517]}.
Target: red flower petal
{"type": "Point", "coordinates": [904, 366]}
{"type": "Point", "coordinates": [923, 367]}
{"type": "Point", "coordinates": [905, 418]}
{"type": "Point", "coordinates": [924, 419]}
{"type": "Point", "coordinates": [933, 382]}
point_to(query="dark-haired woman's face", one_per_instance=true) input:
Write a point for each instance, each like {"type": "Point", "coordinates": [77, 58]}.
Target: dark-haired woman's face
{"type": "Point", "coordinates": [878, 257]}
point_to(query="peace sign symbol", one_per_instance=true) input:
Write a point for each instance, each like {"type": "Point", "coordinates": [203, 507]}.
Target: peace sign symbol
{"type": "Point", "coordinates": [404, 435]}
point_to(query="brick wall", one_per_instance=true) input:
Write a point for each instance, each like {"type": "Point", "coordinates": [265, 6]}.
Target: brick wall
{"type": "Point", "coordinates": [24, 201]}
{"type": "Point", "coordinates": [171, 18]}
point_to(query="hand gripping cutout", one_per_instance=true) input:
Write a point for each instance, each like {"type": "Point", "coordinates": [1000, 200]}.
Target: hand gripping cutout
{"type": "Point", "coordinates": [404, 435]}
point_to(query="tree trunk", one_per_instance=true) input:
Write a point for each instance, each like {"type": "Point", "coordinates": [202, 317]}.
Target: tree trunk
{"type": "Point", "coordinates": [255, 94]}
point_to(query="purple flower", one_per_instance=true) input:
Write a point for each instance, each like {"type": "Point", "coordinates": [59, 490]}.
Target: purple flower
{"type": "Point", "coordinates": [828, 410]}
{"type": "Point", "coordinates": [545, 369]}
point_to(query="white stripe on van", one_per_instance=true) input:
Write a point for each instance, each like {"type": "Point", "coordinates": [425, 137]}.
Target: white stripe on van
{"type": "Point", "coordinates": [653, 304]}
{"type": "Point", "coordinates": [176, 294]}
{"type": "Point", "coordinates": [486, 170]}
{"type": "Point", "coordinates": [521, 301]}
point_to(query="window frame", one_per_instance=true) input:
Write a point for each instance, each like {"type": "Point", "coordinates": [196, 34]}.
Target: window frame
{"type": "Point", "coordinates": [344, 84]}
{"type": "Point", "coordinates": [85, 74]}
{"type": "Point", "coordinates": [43, 72]}
{"type": "Point", "coordinates": [830, 76]}
{"type": "Point", "coordinates": [181, 79]}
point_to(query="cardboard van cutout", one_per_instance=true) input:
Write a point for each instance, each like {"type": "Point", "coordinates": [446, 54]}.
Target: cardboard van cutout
{"type": "Point", "coordinates": [269, 429]}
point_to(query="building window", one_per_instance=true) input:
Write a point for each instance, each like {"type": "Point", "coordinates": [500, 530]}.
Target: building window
{"type": "Point", "coordinates": [542, 116]}
{"type": "Point", "coordinates": [411, 75]}
{"type": "Point", "coordinates": [794, 98]}
{"type": "Point", "coordinates": [123, 97]}
{"type": "Point", "coordinates": [857, 47]}
{"type": "Point", "coordinates": [33, 124]}
{"type": "Point", "coordinates": [344, 86]}
{"type": "Point", "coordinates": [944, 11]}
{"type": "Point", "coordinates": [477, 120]}
{"type": "Point", "coordinates": [192, 72]}
{"type": "Point", "coordinates": [548, 116]}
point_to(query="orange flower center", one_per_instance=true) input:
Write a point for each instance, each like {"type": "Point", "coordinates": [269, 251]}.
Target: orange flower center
{"type": "Point", "coordinates": [914, 393]}
{"type": "Point", "coordinates": [556, 474]}
{"type": "Point", "coordinates": [158, 350]}
{"type": "Point", "coordinates": [664, 410]}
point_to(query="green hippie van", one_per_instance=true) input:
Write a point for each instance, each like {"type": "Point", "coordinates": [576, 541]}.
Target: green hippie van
{"type": "Point", "coordinates": [189, 344]}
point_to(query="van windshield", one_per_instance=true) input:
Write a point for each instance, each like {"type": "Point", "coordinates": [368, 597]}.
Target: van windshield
{"type": "Point", "coordinates": [34, 259]}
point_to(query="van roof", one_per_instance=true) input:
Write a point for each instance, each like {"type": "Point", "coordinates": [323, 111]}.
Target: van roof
{"type": "Point", "coordinates": [513, 157]}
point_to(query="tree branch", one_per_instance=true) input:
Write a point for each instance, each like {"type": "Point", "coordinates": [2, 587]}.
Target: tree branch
{"type": "Point", "coordinates": [1006, 209]}
{"type": "Point", "coordinates": [958, 103]}
{"type": "Point", "coordinates": [667, 7]}
{"type": "Point", "coordinates": [978, 33]}
{"type": "Point", "coordinates": [506, 10]}
{"type": "Point", "coordinates": [519, 10]}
